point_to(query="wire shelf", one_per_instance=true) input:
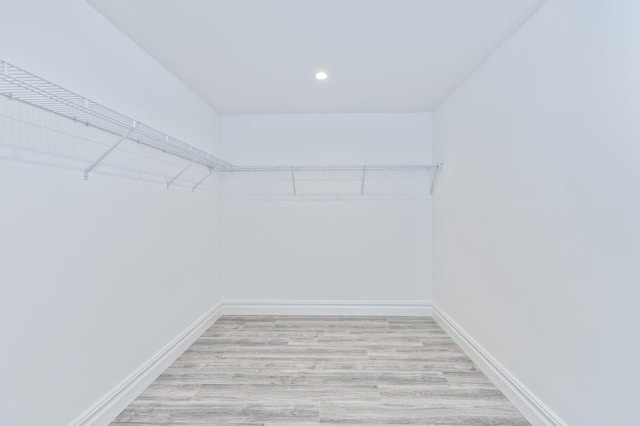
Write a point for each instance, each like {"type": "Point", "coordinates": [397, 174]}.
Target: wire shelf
{"type": "Point", "coordinates": [312, 176]}
{"type": "Point", "coordinates": [16, 83]}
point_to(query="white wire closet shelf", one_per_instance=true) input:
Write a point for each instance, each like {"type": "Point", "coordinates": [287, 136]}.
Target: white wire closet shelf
{"type": "Point", "coordinates": [16, 83]}
{"type": "Point", "coordinates": [21, 85]}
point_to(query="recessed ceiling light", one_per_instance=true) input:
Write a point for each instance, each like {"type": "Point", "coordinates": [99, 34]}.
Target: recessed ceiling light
{"type": "Point", "coordinates": [321, 75]}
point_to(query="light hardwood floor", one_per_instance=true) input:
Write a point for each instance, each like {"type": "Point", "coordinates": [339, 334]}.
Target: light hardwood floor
{"type": "Point", "coordinates": [270, 370]}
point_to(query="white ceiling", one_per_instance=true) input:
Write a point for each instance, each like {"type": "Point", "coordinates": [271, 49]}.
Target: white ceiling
{"type": "Point", "coordinates": [260, 56]}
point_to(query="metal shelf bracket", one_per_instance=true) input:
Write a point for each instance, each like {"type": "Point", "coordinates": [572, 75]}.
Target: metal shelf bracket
{"type": "Point", "coordinates": [182, 171]}
{"type": "Point", "coordinates": [293, 182]}
{"type": "Point", "coordinates": [434, 178]}
{"type": "Point", "coordinates": [108, 151]}
{"type": "Point", "coordinates": [364, 172]}
{"type": "Point", "coordinates": [211, 170]}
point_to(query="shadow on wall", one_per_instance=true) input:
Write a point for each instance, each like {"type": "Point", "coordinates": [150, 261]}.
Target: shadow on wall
{"type": "Point", "coordinates": [32, 135]}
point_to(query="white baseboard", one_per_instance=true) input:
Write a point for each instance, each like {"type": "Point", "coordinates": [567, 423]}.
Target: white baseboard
{"type": "Point", "coordinates": [327, 307]}
{"type": "Point", "coordinates": [529, 405]}
{"type": "Point", "coordinates": [107, 408]}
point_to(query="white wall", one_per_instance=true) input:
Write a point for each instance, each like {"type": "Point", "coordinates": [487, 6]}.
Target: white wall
{"type": "Point", "coordinates": [326, 139]}
{"type": "Point", "coordinates": [317, 249]}
{"type": "Point", "coordinates": [536, 231]}
{"type": "Point", "coordinates": [71, 44]}
{"type": "Point", "coordinates": [97, 276]}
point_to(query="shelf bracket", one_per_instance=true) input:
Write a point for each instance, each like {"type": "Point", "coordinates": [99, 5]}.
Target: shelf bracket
{"type": "Point", "coordinates": [293, 182]}
{"type": "Point", "coordinates": [364, 172]}
{"type": "Point", "coordinates": [107, 152]}
{"type": "Point", "coordinates": [434, 177]}
{"type": "Point", "coordinates": [182, 171]}
{"type": "Point", "coordinates": [203, 179]}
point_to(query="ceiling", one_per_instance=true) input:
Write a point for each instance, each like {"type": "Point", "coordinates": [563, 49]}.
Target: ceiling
{"type": "Point", "coordinates": [261, 56]}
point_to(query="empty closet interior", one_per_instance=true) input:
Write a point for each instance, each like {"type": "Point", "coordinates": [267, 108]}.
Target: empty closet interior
{"type": "Point", "coordinates": [303, 212]}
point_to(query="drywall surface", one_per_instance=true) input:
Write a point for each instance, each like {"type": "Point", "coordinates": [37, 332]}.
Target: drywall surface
{"type": "Point", "coordinates": [310, 249]}
{"type": "Point", "coordinates": [326, 139]}
{"type": "Point", "coordinates": [97, 275]}
{"type": "Point", "coordinates": [74, 46]}
{"type": "Point", "coordinates": [536, 231]}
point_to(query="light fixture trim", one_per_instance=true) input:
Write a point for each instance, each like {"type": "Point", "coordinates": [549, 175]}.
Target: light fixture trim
{"type": "Point", "coordinates": [322, 75]}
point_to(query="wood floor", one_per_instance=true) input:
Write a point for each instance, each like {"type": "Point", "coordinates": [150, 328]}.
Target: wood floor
{"type": "Point", "coordinates": [272, 370]}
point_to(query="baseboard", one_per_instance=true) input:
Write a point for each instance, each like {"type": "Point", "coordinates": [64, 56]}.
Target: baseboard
{"type": "Point", "coordinates": [107, 408]}
{"type": "Point", "coordinates": [327, 307]}
{"type": "Point", "coordinates": [529, 405]}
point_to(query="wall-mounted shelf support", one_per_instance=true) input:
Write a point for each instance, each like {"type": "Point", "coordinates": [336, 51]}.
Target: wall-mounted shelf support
{"type": "Point", "coordinates": [434, 177]}
{"type": "Point", "coordinates": [107, 152]}
{"type": "Point", "coordinates": [203, 179]}
{"type": "Point", "coordinates": [293, 182]}
{"type": "Point", "coordinates": [364, 172]}
{"type": "Point", "coordinates": [182, 171]}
